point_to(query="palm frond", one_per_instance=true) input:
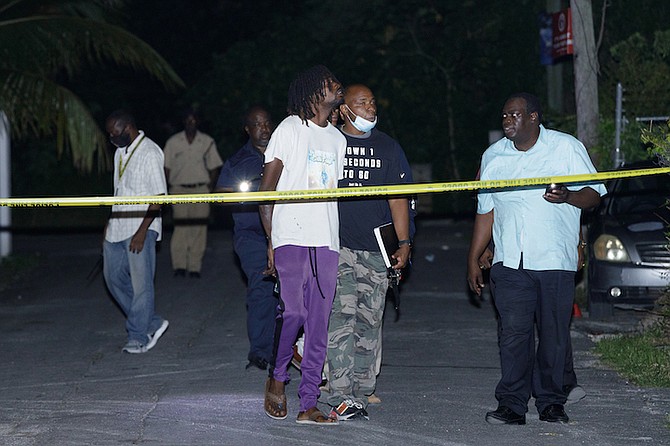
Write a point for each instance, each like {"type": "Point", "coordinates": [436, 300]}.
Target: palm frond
{"type": "Point", "coordinates": [7, 5]}
{"type": "Point", "coordinates": [46, 44]}
{"type": "Point", "coordinates": [93, 9]}
{"type": "Point", "coordinates": [42, 40]}
{"type": "Point", "coordinates": [38, 106]}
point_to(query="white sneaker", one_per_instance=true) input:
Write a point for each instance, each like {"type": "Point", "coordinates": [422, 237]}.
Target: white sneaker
{"type": "Point", "coordinates": [134, 346]}
{"type": "Point", "coordinates": [153, 338]}
{"type": "Point", "coordinates": [296, 359]}
{"type": "Point", "coordinates": [298, 350]}
{"type": "Point", "coordinates": [576, 394]}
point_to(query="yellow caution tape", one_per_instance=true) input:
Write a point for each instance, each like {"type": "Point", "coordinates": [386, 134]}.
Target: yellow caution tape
{"type": "Point", "coordinates": [322, 194]}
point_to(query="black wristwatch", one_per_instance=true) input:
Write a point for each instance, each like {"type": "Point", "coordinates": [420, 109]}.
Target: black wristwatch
{"type": "Point", "coordinates": [405, 242]}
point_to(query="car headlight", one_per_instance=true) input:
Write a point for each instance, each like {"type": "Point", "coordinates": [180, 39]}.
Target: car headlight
{"type": "Point", "coordinates": [610, 249]}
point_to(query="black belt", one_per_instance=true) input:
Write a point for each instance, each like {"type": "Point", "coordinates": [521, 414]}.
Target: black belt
{"type": "Point", "coordinates": [193, 185]}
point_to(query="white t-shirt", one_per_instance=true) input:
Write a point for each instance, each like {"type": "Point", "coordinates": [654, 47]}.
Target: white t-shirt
{"type": "Point", "coordinates": [138, 171]}
{"type": "Point", "coordinates": [313, 158]}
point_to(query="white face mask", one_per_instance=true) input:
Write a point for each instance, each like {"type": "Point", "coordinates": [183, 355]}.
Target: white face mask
{"type": "Point", "coordinates": [361, 124]}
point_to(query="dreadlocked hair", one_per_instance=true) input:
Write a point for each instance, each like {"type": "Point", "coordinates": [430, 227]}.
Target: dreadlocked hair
{"type": "Point", "coordinates": [306, 91]}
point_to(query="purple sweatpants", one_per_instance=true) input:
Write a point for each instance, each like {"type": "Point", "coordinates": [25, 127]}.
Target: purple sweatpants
{"type": "Point", "coordinates": [307, 278]}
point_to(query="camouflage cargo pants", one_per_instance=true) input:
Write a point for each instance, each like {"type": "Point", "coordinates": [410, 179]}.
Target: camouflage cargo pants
{"type": "Point", "coordinates": [354, 330]}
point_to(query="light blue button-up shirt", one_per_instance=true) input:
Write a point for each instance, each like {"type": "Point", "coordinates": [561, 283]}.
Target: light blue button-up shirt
{"type": "Point", "coordinates": [523, 221]}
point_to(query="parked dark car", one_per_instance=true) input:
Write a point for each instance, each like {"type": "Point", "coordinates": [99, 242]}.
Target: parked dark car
{"type": "Point", "coordinates": [629, 257]}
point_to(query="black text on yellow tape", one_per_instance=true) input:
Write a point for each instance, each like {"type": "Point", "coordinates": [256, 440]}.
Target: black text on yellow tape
{"type": "Point", "coordinates": [326, 194]}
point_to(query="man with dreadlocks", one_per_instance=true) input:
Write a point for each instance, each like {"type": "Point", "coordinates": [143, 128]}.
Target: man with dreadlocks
{"type": "Point", "coordinates": [305, 152]}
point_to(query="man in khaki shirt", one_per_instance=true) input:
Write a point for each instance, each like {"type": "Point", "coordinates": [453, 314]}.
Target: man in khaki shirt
{"type": "Point", "coordinates": [192, 165]}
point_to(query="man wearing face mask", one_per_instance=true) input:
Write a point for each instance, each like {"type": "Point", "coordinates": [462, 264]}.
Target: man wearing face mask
{"type": "Point", "coordinates": [354, 332]}
{"type": "Point", "coordinates": [129, 248]}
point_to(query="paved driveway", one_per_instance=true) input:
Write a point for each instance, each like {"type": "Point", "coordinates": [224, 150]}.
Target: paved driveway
{"type": "Point", "coordinates": [64, 380]}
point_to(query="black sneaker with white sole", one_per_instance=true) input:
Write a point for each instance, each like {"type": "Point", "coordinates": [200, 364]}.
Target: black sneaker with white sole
{"type": "Point", "coordinates": [350, 409]}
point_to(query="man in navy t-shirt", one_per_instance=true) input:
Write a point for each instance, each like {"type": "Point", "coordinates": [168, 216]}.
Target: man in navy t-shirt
{"type": "Point", "coordinates": [354, 346]}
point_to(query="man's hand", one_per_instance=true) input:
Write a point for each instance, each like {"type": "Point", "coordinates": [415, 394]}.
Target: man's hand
{"type": "Point", "coordinates": [481, 237]}
{"type": "Point", "coordinates": [137, 242]}
{"type": "Point", "coordinates": [557, 193]}
{"type": "Point", "coordinates": [401, 256]}
{"type": "Point", "coordinates": [270, 270]}
{"type": "Point", "coordinates": [485, 259]}
{"type": "Point", "coordinates": [475, 277]}
{"type": "Point", "coordinates": [585, 198]}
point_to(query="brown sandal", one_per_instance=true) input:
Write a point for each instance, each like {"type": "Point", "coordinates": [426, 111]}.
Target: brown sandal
{"type": "Point", "coordinates": [275, 405]}
{"type": "Point", "coordinates": [315, 416]}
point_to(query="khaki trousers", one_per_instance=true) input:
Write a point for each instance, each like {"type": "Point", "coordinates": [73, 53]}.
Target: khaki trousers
{"type": "Point", "coordinates": [189, 239]}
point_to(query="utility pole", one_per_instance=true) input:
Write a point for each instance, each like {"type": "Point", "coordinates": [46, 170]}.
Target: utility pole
{"type": "Point", "coordinates": [5, 186]}
{"type": "Point", "coordinates": [618, 157]}
{"type": "Point", "coordinates": [555, 72]}
{"type": "Point", "coordinates": [586, 72]}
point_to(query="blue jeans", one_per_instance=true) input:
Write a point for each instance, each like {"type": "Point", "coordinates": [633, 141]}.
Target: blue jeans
{"type": "Point", "coordinates": [130, 279]}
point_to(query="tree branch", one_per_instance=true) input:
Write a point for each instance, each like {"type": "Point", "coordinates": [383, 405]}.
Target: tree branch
{"type": "Point", "coordinates": [599, 42]}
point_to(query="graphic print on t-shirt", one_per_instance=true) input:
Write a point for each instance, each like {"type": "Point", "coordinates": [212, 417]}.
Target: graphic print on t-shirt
{"type": "Point", "coordinates": [358, 163]}
{"type": "Point", "coordinates": [321, 169]}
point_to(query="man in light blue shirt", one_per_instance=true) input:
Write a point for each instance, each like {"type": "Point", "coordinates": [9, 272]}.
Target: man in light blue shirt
{"type": "Point", "coordinates": [536, 235]}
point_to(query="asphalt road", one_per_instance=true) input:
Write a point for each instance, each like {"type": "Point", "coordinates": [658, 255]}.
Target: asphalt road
{"type": "Point", "coordinates": [64, 380]}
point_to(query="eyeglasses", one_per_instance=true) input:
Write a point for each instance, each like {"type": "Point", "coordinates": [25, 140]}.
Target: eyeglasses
{"type": "Point", "coordinates": [513, 115]}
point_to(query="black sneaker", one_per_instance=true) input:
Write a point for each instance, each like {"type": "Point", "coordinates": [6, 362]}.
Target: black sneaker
{"type": "Point", "coordinates": [505, 415]}
{"type": "Point", "coordinates": [257, 362]}
{"type": "Point", "coordinates": [350, 409]}
{"type": "Point", "coordinates": [554, 413]}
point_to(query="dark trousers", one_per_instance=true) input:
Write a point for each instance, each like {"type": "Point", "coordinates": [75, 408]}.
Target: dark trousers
{"type": "Point", "coordinates": [569, 375]}
{"type": "Point", "coordinates": [252, 251]}
{"type": "Point", "coordinates": [527, 299]}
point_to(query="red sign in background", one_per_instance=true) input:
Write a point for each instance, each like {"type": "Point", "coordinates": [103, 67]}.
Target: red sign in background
{"type": "Point", "coordinates": [562, 34]}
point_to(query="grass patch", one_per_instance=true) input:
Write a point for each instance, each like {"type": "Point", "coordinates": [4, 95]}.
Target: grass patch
{"type": "Point", "coordinates": [644, 359]}
{"type": "Point", "coordinates": [13, 268]}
